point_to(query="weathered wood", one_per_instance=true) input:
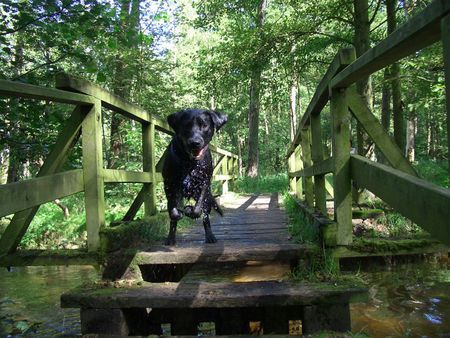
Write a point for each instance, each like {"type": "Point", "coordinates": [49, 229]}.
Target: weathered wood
{"type": "Point", "coordinates": [135, 206]}
{"type": "Point", "coordinates": [222, 151]}
{"type": "Point", "coordinates": [210, 295]}
{"type": "Point", "coordinates": [342, 59]}
{"type": "Point", "coordinates": [23, 195]}
{"type": "Point", "coordinates": [49, 257]}
{"type": "Point", "coordinates": [111, 101]}
{"type": "Point", "coordinates": [291, 170]}
{"type": "Point", "coordinates": [420, 31]}
{"type": "Point", "coordinates": [319, 168]}
{"type": "Point", "coordinates": [397, 248]}
{"type": "Point", "coordinates": [93, 178]}
{"type": "Point", "coordinates": [17, 89]}
{"type": "Point", "coordinates": [223, 177]}
{"type": "Point", "coordinates": [377, 133]}
{"type": "Point", "coordinates": [218, 166]}
{"type": "Point", "coordinates": [298, 167]}
{"type": "Point", "coordinates": [218, 252]}
{"type": "Point", "coordinates": [422, 202]}
{"type": "Point", "coordinates": [320, 194]}
{"type": "Point", "coordinates": [341, 156]}
{"type": "Point", "coordinates": [104, 321]}
{"type": "Point", "coordinates": [123, 176]}
{"type": "Point", "coordinates": [21, 220]}
{"type": "Point", "coordinates": [306, 157]}
{"type": "Point", "coordinates": [149, 163]}
{"type": "Point", "coordinates": [445, 31]}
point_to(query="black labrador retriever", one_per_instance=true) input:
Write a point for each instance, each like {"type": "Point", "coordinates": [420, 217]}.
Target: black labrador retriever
{"type": "Point", "coordinates": [188, 168]}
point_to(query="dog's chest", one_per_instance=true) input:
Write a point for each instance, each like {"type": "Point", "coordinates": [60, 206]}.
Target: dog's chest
{"type": "Point", "coordinates": [193, 181]}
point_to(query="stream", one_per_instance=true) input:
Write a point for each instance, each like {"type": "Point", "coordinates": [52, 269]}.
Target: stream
{"type": "Point", "coordinates": [408, 300]}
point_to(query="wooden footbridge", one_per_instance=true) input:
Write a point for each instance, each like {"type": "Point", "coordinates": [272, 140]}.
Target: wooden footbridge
{"type": "Point", "coordinates": [243, 278]}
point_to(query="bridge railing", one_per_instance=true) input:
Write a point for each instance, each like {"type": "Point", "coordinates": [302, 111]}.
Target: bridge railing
{"type": "Point", "coordinates": [24, 198]}
{"type": "Point", "coordinates": [398, 185]}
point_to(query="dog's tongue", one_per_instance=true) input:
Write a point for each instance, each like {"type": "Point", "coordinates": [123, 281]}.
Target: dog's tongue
{"type": "Point", "coordinates": [198, 153]}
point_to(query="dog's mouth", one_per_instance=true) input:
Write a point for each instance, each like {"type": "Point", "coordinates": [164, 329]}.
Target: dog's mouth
{"type": "Point", "coordinates": [198, 154]}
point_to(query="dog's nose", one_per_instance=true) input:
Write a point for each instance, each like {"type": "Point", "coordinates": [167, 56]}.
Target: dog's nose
{"type": "Point", "coordinates": [195, 143]}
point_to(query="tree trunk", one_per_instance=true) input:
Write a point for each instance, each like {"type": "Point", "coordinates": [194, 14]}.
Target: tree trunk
{"type": "Point", "coordinates": [129, 14]}
{"type": "Point", "coordinates": [362, 44]}
{"type": "Point", "coordinates": [255, 89]}
{"type": "Point", "coordinates": [397, 106]}
{"type": "Point", "coordinates": [385, 108]}
{"type": "Point", "coordinates": [253, 124]}
{"type": "Point", "coordinates": [411, 132]}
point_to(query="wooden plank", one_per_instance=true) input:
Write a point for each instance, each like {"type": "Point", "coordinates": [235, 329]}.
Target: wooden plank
{"type": "Point", "coordinates": [343, 58]}
{"type": "Point", "coordinates": [445, 29]}
{"type": "Point", "coordinates": [341, 156]}
{"type": "Point", "coordinates": [223, 177]}
{"type": "Point", "coordinates": [306, 157]}
{"type": "Point", "coordinates": [219, 151]}
{"type": "Point", "coordinates": [49, 257]}
{"type": "Point", "coordinates": [94, 196]}
{"type": "Point", "coordinates": [298, 166]}
{"type": "Point", "coordinates": [219, 253]}
{"type": "Point", "coordinates": [18, 89]}
{"type": "Point", "coordinates": [111, 101]}
{"type": "Point", "coordinates": [422, 202]}
{"type": "Point", "coordinates": [320, 168]}
{"type": "Point", "coordinates": [219, 164]}
{"type": "Point", "coordinates": [135, 206]}
{"type": "Point", "coordinates": [377, 133]}
{"type": "Point", "coordinates": [21, 220]}
{"type": "Point", "coordinates": [23, 195]}
{"type": "Point", "coordinates": [149, 163]}
{"type": "Point", "coordinates": [291, 170]}
{"type": "Point", "coordinates": [123, 176]}
{"type": "Point", "coordinates": [320, 195]}
{"type": "Point", "coordinates": [420, 31]}
{"type": "Point", "coordinates": [210, 295]}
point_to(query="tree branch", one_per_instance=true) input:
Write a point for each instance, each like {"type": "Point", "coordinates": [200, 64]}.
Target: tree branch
{"type": "Point", "coordinates": [40, 66]}
{"type": "Point", "coordinates": [375, 12]}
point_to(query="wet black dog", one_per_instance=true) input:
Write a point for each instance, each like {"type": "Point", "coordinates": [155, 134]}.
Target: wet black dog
{"type": "Point", "coordinates": [188, 168]}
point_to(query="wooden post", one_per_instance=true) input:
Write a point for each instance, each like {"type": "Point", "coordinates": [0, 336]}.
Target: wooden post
{"type": "Point", "coordinates": [93, 177]}
{"type": "Point", "coordinates": [225, 172]}
{"type": "Point", "coordinates": [291, 168]}
{"type": "Point", "coordinates": [445, 32]}
{"type": "Point", "coordinates": [341, 155]}
{"type": "Point", "coordinates": [148, 165]}
{"type": "Point", "coordinates": [298, 166]}
{"type": "Point", "coordinates": [317, 156]}
{"type": "Point", "coordinates": [306, 152]}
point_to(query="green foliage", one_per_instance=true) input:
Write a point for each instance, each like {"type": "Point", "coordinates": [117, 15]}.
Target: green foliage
{"type": "Point", "coordinates": [263, 184]}
{"type": "Point", "coordinates": [299, 228]}
{"type": "Point", "coordinates": [435, 171]}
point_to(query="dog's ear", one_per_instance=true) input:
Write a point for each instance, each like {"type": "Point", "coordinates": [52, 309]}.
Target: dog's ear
{"type": "Point", "coordinates": [174, 120]}
{"type": "Point", "coordinates": [218, 118]}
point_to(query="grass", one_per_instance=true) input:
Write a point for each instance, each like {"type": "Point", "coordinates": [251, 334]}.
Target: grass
{"type": "Point", "coordinates": [265, 184]}
{"type": "Point", "coordinates": [300, 230]}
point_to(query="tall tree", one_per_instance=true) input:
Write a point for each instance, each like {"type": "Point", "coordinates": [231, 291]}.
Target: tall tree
{"type": "Point", "coordinates": [397, 105]}
{"type": "Point", "coordinates": [255, 90]}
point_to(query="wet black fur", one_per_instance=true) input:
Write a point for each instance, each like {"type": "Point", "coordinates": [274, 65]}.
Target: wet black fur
{"type": "Point", "coordinates": [186, 176]}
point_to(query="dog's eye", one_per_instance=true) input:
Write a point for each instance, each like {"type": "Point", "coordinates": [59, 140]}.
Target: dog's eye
{"type": "Point", "coordinates": [202, 124]}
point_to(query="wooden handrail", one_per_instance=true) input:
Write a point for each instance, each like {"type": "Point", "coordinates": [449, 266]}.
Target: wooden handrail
{"type": "Point", "coordinates": [420, 31]}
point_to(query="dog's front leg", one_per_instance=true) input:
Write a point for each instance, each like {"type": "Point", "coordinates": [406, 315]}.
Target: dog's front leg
{"type": "Point", "coordinates": [175, 214]}
{"type": "Point", "coordinates": [196, 211]}
{"type": "Point", "coordinates": [209, 236]}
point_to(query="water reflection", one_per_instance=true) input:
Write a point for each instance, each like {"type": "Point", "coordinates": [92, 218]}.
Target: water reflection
{"type": "Point", "coordinates": [29, 300]}
{"type": "Point", "coordinates": [408, 301]}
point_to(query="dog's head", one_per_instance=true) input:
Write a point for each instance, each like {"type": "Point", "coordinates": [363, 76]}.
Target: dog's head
{"type": "Point", "coordinates": [195, 129]}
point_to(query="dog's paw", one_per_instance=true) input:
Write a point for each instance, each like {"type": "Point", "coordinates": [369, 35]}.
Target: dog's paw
{"type": "Point", "coordinates": [170, 240]}
{"type": "Point", "coordinates": [191, 212]}
{"type": "Point", "coordinates": [175, 214]}
{"type": "Point", "coordinates": [210, 238]}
